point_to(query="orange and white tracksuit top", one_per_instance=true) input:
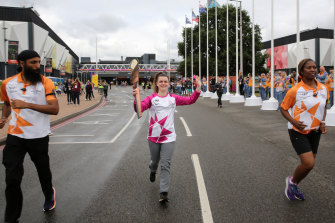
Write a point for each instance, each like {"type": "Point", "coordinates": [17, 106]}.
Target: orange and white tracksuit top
{"type": "Point", "coordinates": [307, 105]}
{"type": "Point", "coordinates": [27, 123]}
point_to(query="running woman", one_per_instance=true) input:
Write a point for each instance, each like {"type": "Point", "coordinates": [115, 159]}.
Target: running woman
{"type": "Point", "coordinates": [307, 101]}
{"type": "Point", "coordinates": [162, 135]}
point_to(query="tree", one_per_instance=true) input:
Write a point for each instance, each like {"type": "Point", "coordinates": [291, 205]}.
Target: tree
{"type": "Point", "coordinates": [246, 38]}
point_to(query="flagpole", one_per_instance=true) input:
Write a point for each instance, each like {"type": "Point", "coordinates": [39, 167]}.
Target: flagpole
{"type": "Point", "coordinates": [253, 100]}
{"type": "Point", "coordinates": [272, 103]}
{"type": "Point", "coordinates": [207, 52]}
{"type": "Point", "coordinates": [330, 118]}
{"type": "Point", "coordinates": [185, 50]}
{"type": "Point", "coordinates": [227, 95]}
{"type": "Point", "coordinates": [236, 87]}
{"type": "Point", "coordinates": [227, 39]}
{"type": "Point", "coordinates": [298, 42]}
{"type": "Point", "coordinates": [192, 47]}
{"type": "Point", "coordinates": [199, 43]}
{"type": "Point", "coordinates": [253, 49]}
{"type": "Point", "coordinates": [216, 43]}
{"type": "Point", "coordinates": [241, 42]}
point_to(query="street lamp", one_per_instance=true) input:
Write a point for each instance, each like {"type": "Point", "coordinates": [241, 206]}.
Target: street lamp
{"type": "Point", "coordinates": [4, 49]}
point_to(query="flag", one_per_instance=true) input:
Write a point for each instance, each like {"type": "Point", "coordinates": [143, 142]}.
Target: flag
{"type": "Point", "coordinates": [194, 17]}
{"type": "Point", "coordinates": [212, 3]}
{"type": "Point", "coordinates": [202, 9]}
{"type": "Point", "coordinates": [188, 21]}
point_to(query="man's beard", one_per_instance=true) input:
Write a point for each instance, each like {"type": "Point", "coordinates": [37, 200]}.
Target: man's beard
{"type": "Point", "coordinates": [31, 75]}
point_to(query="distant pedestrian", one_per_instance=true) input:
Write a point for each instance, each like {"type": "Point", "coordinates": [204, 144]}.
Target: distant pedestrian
{"type": "Point", "coordinates": [241, 83]}
{"type": "Point", "coordinates": [307, 104]}
{"type": "Point", "coordinates": [219, 90]}
{"type": "Point", "coordinates": [162, 136]}
{"type": "Point", "coordinates": [29, 125]}
{"type": "Point", "coordinates": [68, 89]}
{"type": "Point", "coordinates": [204, 85]}
{"type": "Point", "coordinates": [188, 86]}
{"type": "Point", "coordinates": [322, 76]}
{"type": "Point", "coordinates": [89, 90]}
{"type": "Point", "coordinates": [105, 87]}
{"type": "Point", "coordinates": [330, 86]}
{"type": "Point", "coordinates": [262, 86]}
{"type": "Point", "coordinates": [76, 88]}
{"type": "Point", "coordinates": [212, 84]}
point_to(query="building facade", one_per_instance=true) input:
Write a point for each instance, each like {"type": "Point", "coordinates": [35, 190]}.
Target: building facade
{"type": "Point", "coordinates": [317, 44]}
{"type": "Point", "coordinates": [21, 29]}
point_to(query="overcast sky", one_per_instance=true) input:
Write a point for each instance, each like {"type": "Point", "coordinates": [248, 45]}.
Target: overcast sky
{"type": "Point", "coordinates": [132, 27]}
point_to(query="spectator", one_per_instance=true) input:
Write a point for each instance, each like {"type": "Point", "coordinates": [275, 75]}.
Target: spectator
{"type": "Point", "coordinates": [321, 77]}
{"type": "Point", "coordinates": [262, 86]}
{"type": "Point", "coordinates": [105, 85]}
{"type": "Point", "coordinates": [219, 90]}
{"type": "Point", "coordinates": [241, 83]}
{"type": "Point", "coordinates": [212, 82]}
{"type": "Point", "coordinates": [89, 90]}
{"type": "Point", "coordinates": [204, 85]}
{"type": "Point", "coordinates": [330, 87]}
{"type": "Point", "coordinates": [76, 88]}
{"type": "Point", "coordinates": [68, 90]}
{"type": "Point", "coordinates": [188, 86]}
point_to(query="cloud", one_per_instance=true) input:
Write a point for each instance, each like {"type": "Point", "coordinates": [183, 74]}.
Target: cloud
{"type": "Point", "coordinates": [132, 28]}
{"type": "Point", "coordinates": [104, 23]}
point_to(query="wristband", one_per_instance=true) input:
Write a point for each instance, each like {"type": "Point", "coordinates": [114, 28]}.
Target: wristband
{"type": "Point", "coordinates": [323, 122]}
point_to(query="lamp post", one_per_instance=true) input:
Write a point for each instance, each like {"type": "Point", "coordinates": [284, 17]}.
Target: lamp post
{"type": "Point", "coordinates": [5, 44]}
{"type": "Point", "coordinates": [45, 62]}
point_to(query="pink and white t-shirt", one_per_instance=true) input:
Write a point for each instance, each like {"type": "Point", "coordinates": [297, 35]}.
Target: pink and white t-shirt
{"type": "Point", "coordinates": [161, 112]}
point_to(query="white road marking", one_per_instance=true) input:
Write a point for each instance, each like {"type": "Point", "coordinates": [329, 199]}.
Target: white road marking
{"type": "Point", "coordinates": [91, 123]}
{"type": "Point", "coordinates": [175, 111]}
{"type": "Point", "coordinates": [204, 202]}
{"type": "Point", "coordinates": [123, 129]}
{"type": "Point", "coordinates": [188, 132]}
{"type": "Point", "coordinates": [61, 143]}
{"type": "Point", "coordinates": [71, 136]}
{"type": "Point", "coordinates": [113, 114]}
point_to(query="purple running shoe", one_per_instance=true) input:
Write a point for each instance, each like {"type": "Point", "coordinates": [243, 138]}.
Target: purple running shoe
{"type": "Point", "coordinates": [289, 189]}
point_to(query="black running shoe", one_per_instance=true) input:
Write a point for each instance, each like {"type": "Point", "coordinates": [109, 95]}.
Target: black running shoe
{"type": "Point", "coordinates": [50, 203]}
{"type": "Point", "coordinates": [152, 176]}
{"type": "Point", "coordinates": [164, 197]}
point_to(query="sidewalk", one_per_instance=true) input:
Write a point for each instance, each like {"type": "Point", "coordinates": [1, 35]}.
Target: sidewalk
{"type": "Point", "coordinates": [65, 111]}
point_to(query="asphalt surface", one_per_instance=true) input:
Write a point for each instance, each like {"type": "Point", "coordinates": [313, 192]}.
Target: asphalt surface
{"type": "Point", "coordinates": [245, 155]}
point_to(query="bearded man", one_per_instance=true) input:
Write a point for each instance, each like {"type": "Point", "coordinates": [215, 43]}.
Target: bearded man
{"type": "Point", "coordinates": [29, 98]}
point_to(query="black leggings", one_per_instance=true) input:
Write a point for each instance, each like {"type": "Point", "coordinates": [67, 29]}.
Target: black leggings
{"type": "Point", "coordinates": [76, 97]}
{"type": "Point", "coordinates": [69, 97]}
{"type": "Point", "coordinates": [219, 99]}
{"type": "Point", "coordinates": [13, 157]}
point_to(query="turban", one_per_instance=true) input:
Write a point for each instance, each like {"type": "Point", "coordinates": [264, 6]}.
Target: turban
{"type": "Point", "coordinates": [27, 54]}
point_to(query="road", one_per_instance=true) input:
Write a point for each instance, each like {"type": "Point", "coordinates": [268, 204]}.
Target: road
{"type": "Point", "coordinates": [244, 154]}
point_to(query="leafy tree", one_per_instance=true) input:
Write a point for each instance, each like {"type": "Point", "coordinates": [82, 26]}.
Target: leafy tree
{"type": "Point", "coordinates": [246, 38]}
